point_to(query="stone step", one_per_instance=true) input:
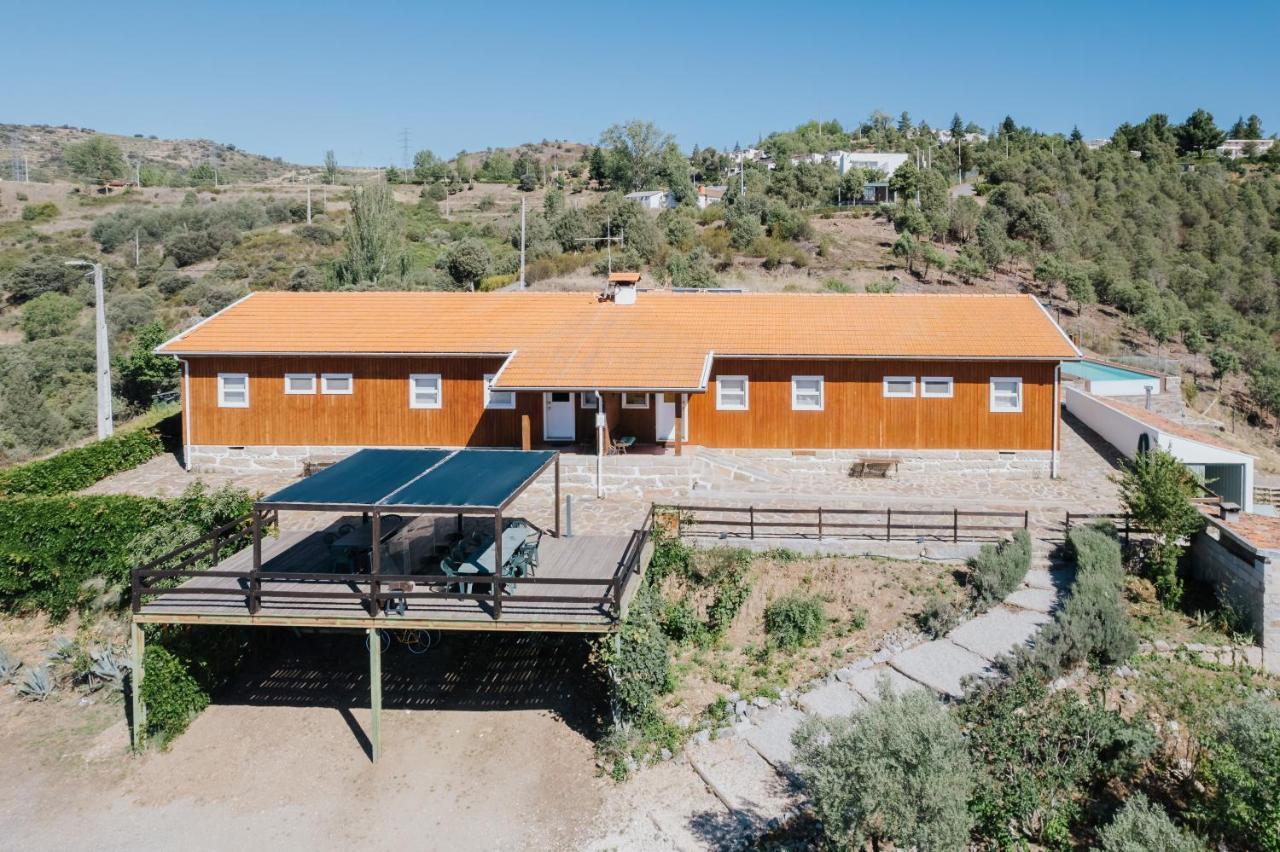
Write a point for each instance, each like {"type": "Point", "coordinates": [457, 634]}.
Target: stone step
{"type": "Point", "coordinates": [832, 699]}
{"type": "Point", "coordinates": [867, 682]}
{"type": "Point", "coordinates": [758, 796]}
{"type": "Point", "coordinates": [941, 665]}
{"type": "Point", "coordinates": [771, 736]}
{"type": "Point", "coordinates": [999, 631]}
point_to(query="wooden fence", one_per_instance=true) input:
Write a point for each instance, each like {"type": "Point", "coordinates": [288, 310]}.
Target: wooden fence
{"type": "Point", "coordinates": [822, 524]}
{"type": "Point", "coordinates": [200, 557]}
{"type": "Point", "coordinates": [1266, 496]}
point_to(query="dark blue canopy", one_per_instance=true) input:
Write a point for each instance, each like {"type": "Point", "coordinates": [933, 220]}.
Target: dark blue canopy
{"type": "Point", "coordinates": [417, 478]}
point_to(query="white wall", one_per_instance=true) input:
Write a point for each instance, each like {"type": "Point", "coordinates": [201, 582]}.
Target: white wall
{"type": "Point", "coordinates": [1122, 431]}
{"type": "Point", "coordinates": [1124, 387]}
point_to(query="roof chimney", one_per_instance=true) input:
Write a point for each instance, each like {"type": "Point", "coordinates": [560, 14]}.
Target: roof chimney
{"type": "Point", "coordinates": [622, 287]}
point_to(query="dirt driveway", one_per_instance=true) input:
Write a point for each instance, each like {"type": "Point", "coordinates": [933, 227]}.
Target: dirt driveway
{"type": "Point", "coordinates": [486, 745]}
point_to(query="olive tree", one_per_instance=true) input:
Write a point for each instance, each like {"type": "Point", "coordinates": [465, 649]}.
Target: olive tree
{"type": "Point", "coordinates": [96, 158]}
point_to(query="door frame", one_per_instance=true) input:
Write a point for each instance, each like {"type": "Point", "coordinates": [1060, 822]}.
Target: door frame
{"type": "Point", "coordinates": [684, 421]}
{"type": "Point", "coordinates": [573, 417]}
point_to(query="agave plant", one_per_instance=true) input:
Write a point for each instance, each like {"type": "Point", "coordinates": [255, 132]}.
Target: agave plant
{"type": "Point", "coordinates": [37, 684]}
{"type": "Point", "coordinates": [106, 669]}
{"type": "Point", "coordinates": [63, 648]}
{"type": "Point", "coordinates": [8, 666]}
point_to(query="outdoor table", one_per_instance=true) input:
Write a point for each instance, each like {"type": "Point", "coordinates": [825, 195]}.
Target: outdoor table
{"type": "Point", "coordinates": [482, 561]}
{"type": "Point", "coordinates": [360, 539]}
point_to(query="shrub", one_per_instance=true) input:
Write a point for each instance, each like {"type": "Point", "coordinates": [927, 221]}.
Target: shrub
{"type": "Point", "coordinates": [795, 620]}
{"type": "Point", "coordinates": [640, 662]}
{"type": "Point", "coordinates": [49, 546]}
{"type": "Point", "coordinates": [1093, 625]}
{"type": "Point", "coordinates": [1040, 754]}
{"type": "Point", "coordinates": [1240, 771]}
{"type": "Point", "coordinates": [172, 695]}
{"type": "Point", "coordinates": [897, 772]}
{"type": "Point", "coordinates": [42, 212]}
{"type": "Point", "coordinates": [1143, 827]}
{"type": "Point", "coordinates": [999, 569]}
{"type": "Point", "coordinates": [41, 275]}
{"type": "Point", "coordinates": [939, 617]}
{"type": "Point", "coordinates": [317, 234]}
{"type": "Point", "coordinates": [80, 467]}
{"type": "Point", "coordinates": [49, 315]}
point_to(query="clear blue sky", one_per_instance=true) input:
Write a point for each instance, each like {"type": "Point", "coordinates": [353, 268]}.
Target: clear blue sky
{"type": "Point", "coordinates": [293, 79]}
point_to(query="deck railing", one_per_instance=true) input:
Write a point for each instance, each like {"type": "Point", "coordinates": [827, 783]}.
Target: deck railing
{"type": "Point", "coordinates": [822, 523]}
{"type": "Point", "coordinates": [162, 577]}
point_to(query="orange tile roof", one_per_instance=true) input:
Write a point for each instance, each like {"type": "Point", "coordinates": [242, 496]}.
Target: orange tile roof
{"type": "Point", "coordinates": [662, 342]}
{"type": "Point", "coordinates": [1169, 426]}
{"type": "Point", "coordinates": [1262, 531]}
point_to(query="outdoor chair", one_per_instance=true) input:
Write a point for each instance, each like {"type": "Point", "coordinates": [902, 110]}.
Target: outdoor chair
{"type": "Point", "coordinates": [620, 445]}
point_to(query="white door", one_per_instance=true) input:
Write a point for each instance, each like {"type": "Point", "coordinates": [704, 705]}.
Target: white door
{"type": "Point", "coordinates": [664, 418]}
{"type": "Point", "coordinates": [557, 417]}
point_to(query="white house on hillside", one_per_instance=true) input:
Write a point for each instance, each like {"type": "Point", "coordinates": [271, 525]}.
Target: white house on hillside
{"type": "Point", "coordinates": [1234, 149]}
{"type": "Point", "coordinates": [886, 163]}
{"type": "Point", "coordinates": [653, 199]}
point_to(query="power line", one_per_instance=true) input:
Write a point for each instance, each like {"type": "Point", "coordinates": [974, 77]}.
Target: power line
{"type": "Point", "coordinates": [404, 148]}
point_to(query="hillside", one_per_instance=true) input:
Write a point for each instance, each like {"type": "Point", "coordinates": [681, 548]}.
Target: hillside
{"type": "Point", "coordinates": [43, 147]}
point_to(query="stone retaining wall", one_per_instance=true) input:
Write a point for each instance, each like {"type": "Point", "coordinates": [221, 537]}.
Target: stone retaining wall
{"type": "Point", "coordinates": [1248, 578]}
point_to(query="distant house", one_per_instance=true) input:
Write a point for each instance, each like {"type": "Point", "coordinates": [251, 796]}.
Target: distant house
{"type": "Point", "coordinates": [945, 137]}
{"type": "Point", "coordinates": [653, 199]}
{"type": "Point", "coordinates": [1095, 144]}
{"type": "Point", "coordinates": [1234, 149]}
{"type": "Point", "coordinates": [873, 161]}
{"type": "Point", "coordinates": [708, 195]}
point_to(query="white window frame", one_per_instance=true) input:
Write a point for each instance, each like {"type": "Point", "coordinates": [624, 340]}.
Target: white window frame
{"type": "Point", "coordinates": [1003, 409]}
{"type": "Point", "coordinates": [894, 395]}
{"type": "Point", "coordinates": [497, 400]}
{"type": "Point", "coordinates": [291, 391]}
{"type": "Point", "coordinates": [925, 393]}
{"type": "Point", "coordinates": [797, 405]}
{"type": "Point", "coordinates": [222, 390]}
{"type": "Point", "coordinates": [434, 378]}
{"type": "Point", "coordinates": [587, 401]}
{"type": "Point", "coordinates": [325, 378]}
{"type": "Point", "coordinates": [721, 405]}
{"type": "Point", "coordinates": [642, 405]}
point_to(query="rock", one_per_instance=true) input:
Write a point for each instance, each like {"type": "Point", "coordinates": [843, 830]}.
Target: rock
{"type": "Point", "coordinates": [701, 737]}
{"type": "Point", "coordinates": [722, 733]}
{"type": "Point", "coordinates": [733, 697]}
{"type": "Point", "coordinates": [834, 699]}
{"type": "Point", "coordinates": [665, 754]}
{"type": "Point", "coordinates": [1162, 646]}
{"type": "Point", "coordinates": [761, 702]}
{"type": "Point", "coordinates": [740, 706]}
{"type": "Point", "coordinates": [684, 723]}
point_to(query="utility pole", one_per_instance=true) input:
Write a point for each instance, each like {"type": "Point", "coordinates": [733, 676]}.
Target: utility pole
{"type": "Point", "coordinates": [102, 360]}
{"type": "Point", "coordinates": [308, 200]}
{"type": "Point", "coordinates": [137, 247]}
{"type": "Point", "coordinates": [523, 284]}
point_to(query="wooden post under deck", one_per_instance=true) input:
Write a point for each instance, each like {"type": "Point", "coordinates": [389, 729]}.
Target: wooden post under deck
{"type": "Point", "coordinates": [255, 582]}
{"type": "Point", "coordinates": [375, 693]}
{"type": "Point", "coordinates": [679, 424]}
{"type": "Point", "coordinates": [135, 687]}
{"type": "Point", "coordinates": [557, 495]}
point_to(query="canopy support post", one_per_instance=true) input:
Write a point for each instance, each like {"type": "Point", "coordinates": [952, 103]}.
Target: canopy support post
{"type": "Point", "coordinates": [498, 565]}
{"type": "Point", "coordinates": [557, 494]}
{"type": "Point", "coordinates": [679, 424]}
{"type": "Point", "coordinates": [375, 563]}
{"type": "Point", "coordinates": [600, 437]}
{"type": "Point", "coordinates": [255, 581]}
{"type": "Point", "coordinates": [375, 693]}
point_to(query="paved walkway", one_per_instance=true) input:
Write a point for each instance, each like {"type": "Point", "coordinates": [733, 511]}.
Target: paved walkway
{"type": "Point", "coordinates": [725, 791]}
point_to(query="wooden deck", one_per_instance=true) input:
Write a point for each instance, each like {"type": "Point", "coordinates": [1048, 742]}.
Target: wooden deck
{"type": "Point", "coordinates": [581, 585]}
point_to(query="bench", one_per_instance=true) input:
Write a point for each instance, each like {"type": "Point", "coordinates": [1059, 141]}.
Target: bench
{"type": "Point", "coordinates": [863, 468]}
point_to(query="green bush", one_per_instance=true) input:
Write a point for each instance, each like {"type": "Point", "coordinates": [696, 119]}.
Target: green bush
{"type": "Point", "coordinates": [795, 620]}
{"type": "Point", "coordinates": [49, 315]}
{"type": "Point", "coordinates": [172, 695]}
{"type": "Point", "coordinates": [49, 546]}
{"type": "Point", "coordinates": [640, 663]}
{"type": "Point", "coordinates": [898, 772]}
{"type": "Point", "coordinates": [42, 212]}
{"type": "Point", "coordinates": [1240, 771]}
{"type": "Point", "coordinates": [939, 617]}
{"type": "Point", "coordinates": [1141, 826]}
{"type": "Point", "coordinates": [999, 569]}
{"type": "Point", "coordinates": [1093, 624]}
{"type": "Point", "coordinates": [80, 467]}
{"type": "Point", "coordinates": [1041, 754]}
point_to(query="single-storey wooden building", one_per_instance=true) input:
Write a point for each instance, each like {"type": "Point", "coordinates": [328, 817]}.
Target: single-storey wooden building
{"type": "Point", "coordinates": [279, 377]}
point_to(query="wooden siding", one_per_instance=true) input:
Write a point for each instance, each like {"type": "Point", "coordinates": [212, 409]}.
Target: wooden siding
{"type": "Point", "coordinates": [857, 415]}
{"type": "Point", "coordinates": [377, 413]}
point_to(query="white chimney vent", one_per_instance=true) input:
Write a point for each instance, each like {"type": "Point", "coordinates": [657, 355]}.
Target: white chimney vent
{"type": "Point", "coordinates": [623, 287]}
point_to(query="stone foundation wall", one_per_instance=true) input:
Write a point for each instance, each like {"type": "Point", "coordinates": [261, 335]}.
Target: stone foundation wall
{"type": "Point", "coordinates": [1252, 585]}
{"type": "Point", "coordinates": [1019, 463]}
{"type": "Point", "coordinates": [216, 459]}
